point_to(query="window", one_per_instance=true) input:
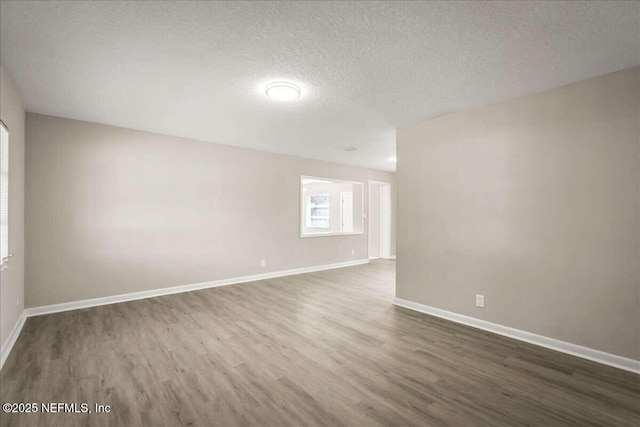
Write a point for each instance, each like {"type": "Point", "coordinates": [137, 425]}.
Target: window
{"type": "Point", "coordinates": [330, 207]}
{"type": "Point", "coordinates": [318, 211]}
{"type": "Point", "coordinates": [4, 194]}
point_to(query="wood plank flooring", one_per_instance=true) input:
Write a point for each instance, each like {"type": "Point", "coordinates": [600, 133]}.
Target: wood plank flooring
{"type": "Point", "coordinates": [325, 348]}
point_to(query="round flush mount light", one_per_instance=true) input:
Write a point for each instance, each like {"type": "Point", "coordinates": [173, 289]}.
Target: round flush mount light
{"type": "Point", "coordinates": [393, 159]}
{"type": "Point", "coordinates": [282, 91]}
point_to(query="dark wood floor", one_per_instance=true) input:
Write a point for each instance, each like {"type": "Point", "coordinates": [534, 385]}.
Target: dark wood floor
{"type": "Point", "coordinates": [325, 348]}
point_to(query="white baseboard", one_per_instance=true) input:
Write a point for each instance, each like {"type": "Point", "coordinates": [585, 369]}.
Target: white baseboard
{"type": "Point", "coordinates": [114, 299]}
{"type": "Point", "coordinates": [620, 362]}
{"type": "Point", "coordinates": [13, 337]}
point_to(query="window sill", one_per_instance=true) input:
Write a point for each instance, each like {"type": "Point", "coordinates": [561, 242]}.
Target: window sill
{"type": "Point", "coordinates": [304, 236]}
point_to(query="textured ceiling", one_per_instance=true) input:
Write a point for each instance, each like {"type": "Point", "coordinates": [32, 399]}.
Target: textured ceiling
{"type": "Point", "coordinates": [197, 69]}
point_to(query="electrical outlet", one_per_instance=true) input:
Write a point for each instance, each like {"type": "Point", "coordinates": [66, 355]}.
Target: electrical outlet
{"type": "Point", "coordinates": [480, 301]}
{"type": "Point", "coordinates": [353, 251]}
{"type": "Point", "coordinates": [263, 263]}
{"type": "Point", "coordinates": [17, 302]}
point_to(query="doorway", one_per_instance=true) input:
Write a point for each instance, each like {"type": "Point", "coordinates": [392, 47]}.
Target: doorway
{"type": "Point", "coordinates": [379, 220]}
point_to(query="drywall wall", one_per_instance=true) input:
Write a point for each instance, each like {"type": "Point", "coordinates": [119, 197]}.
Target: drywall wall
{"type": "Point", "coordinates": [533, 203]}
{"type": "Point", "coordinates": [113, 211]}
{"type": "Point", "coordinates": [12, 278]}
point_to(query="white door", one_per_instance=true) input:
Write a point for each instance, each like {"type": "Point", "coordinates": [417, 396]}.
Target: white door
{"type": "Point", "coordinates": [374, 221]}
{"type": "Point", "coordinates": [347, 211]}
{"type": "Point", "coordinates": [379, 220]}
{"type": "Point", "coordinates": [385, 221]}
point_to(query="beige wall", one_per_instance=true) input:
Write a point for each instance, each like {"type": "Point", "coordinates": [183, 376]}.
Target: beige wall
{"type": "Point", "coordinates": [534, 203]}
{"type": "Point", "coordinates": [12, 278]}
{"type": "Point", "coordinates": [113, 211]}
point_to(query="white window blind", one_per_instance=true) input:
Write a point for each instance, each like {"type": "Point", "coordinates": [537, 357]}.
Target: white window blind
{"type": "Point", "coordinates": [4, 192]}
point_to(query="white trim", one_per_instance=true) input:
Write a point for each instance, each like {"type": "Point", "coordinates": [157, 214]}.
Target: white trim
{"type": "Point", "coordinates": [114, 299]}
{"type": "Point", "coordinates": [620, 362]}
{"type": "Point", "coordinates": [321, 178]}
{"type": "Point", "coordinates": [350, 233]}
{"type": "Point", "coordinates": [13, 337]}
{"type": "Point", "coordinates": [392, 257]}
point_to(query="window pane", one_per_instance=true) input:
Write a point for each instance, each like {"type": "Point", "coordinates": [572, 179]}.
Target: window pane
{"type": "Point", "coordinates": [318, 211]}
{"type": "Point", "coordinates": [320, 200]}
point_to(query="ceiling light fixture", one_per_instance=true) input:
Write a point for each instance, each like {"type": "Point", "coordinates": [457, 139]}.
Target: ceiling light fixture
{"type": "Point", "coordinates": [282, 91]}
{"type": "Point", "coordinates": [393, 159]}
